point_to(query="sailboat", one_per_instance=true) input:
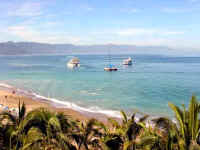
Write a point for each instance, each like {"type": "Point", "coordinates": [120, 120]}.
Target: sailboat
{"type": "Point", "coordinates": [110, 66]}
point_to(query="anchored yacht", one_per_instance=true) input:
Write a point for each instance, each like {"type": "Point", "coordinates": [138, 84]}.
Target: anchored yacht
{"type": "Point", "coordinates": [74, 62]}
{"type": "Point", "coordinates": [127, 61]}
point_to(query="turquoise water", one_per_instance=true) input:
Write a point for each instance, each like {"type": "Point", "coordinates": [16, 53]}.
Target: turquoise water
{"type": "Point", "coordinates": [146, 86]}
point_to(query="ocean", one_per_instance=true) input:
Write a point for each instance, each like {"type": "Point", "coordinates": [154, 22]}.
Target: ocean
{"type": "Point", "coordinates": [145, 87]}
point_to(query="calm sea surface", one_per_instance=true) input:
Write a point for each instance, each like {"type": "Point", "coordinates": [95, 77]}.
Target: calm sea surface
{"type": "Point", "coordinates": [146, 86]}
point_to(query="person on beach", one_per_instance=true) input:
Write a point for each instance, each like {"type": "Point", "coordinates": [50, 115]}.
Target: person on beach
{"type": "Point", "coordinates": [13, 92]}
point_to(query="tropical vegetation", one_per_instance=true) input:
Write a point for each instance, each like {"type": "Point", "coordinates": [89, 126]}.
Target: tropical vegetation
{"type": "Point", "coordinates": [42, 129]}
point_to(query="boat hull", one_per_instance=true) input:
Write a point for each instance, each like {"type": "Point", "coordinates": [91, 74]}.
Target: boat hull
{"type": "Point", "coordinates": [110, 69]}
{"type": "Point", "coordinates": [69, 65]}
{"type": "Point", "coordinates": [128, 63]}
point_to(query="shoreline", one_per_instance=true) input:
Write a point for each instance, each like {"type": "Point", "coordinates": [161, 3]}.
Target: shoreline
{"type": "Point", "coordinates": [34, 101]}
{"type": "Point", "coordinates": [70, 109]}
{"type": "Point", "coordinates": [10, 96]}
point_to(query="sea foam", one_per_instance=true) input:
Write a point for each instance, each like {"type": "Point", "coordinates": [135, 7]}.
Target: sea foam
{"type": "Point", "coordinates": [64, 104]}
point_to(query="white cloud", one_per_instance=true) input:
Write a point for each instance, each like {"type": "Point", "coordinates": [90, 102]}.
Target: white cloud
{"type": "Point", "coordinates": [29, 34]}
{"type": "Point", "coordinates": [27, 9]}
{"type": "Point", "coordinates": [52, 23]}
{"type": "Point", "coordinates": [138, 32]}
{"type": "Point", "coordinates": [86, 7]}
{"type": "Point", "coordinates": [135, 31]}
{"type": "Point", "coordinates": [89, 8]}
{"type": "Point", "coordinates": [134, 36]}
{"type": "Point", "coordinates": [172, 32]}
{"type": "Point", "coordinates": [193, 1]}
{"type": "Point", "coordinates": [131, 11]}
{"type": "Point", "coordinates": [143, 37]}
{"type": "Point", "coordinates": [149, 32]}
{"type": "Point", "coordinates": [134, 10]}
{"type": "Point", "coordinates": [175, 10]}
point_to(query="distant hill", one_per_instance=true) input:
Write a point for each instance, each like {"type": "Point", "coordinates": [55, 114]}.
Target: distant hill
{"type": "Point", "coordinates": [29, 48]}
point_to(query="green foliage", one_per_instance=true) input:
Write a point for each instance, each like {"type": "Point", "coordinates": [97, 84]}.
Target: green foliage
{"type": "Point", "coordinates": [42, 129]}
{"type": "Point", "coordinates": [88, 134]}
{"type": "Point", "coordinates": [188, 121]}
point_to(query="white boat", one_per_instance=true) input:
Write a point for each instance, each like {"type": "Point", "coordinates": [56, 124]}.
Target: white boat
{"type": "Point", "coordinates": [127, 61]}
{"type": "Point", "coordinates": [74, 62]}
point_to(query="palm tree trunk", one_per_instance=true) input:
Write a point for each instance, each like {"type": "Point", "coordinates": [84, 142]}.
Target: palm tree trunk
{"type": "Point", "coordinates": [86, 146]}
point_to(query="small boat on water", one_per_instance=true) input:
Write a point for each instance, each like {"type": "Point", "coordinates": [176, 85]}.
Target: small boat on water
{"type": "Point", "coordinates": [127, 61]}
{"type": "Point", "coordinates": [110, 68]}
{"type": "Point", "coordinates": [74, 62]}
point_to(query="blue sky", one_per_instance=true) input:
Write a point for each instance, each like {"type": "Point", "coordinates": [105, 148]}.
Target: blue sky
{"type": "Point", "coordinates": [173, 23]}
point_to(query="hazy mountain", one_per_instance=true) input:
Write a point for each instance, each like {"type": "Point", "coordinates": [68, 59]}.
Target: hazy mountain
{"type": "Point", "coordinates": [28, 48]}
{"type": "Point", "coordinates": [19, 48]}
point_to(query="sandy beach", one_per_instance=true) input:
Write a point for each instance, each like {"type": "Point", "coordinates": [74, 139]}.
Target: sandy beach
{"type": "Point", "coordinates": [11, 100]}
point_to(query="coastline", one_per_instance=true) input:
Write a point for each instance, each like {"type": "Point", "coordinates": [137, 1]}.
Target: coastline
{"type": "Point", "coordinates": [10, 97]}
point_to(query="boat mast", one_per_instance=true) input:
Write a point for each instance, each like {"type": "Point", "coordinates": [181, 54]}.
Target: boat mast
{"type": "Point", "coordinates": [109, 57]}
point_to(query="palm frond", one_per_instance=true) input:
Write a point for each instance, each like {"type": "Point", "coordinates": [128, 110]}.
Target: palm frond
{"type": "Point", "coordinates": [144, 118]}
{"type": "Point", "coordinates": [22, 111]}
{"type": "Point", "coordinates": [125, 118]}
{"type": "Point", "coordinates": [66, 122]}
{"type": "Point", "coordinates": [9, 116]}
{"type": "Point", "coordinates": [33, 136]}
{"type": "Point", "coordinates": [179, 116]}
{"type": "Point", "coordinates": [114, 123]}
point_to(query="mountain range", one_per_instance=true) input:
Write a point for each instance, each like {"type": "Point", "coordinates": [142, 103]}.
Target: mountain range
{"type": "Point", "coordinates": [33, 48]}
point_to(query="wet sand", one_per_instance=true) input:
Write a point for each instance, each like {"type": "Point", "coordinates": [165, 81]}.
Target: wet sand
{"type": "Point", "coordinates": [11, 99]}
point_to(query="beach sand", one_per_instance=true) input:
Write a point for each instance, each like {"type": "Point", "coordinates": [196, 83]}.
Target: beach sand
{"type": "Point", "coordinates": [11, 99]}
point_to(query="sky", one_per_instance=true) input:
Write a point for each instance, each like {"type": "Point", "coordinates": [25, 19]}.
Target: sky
{"type": "Point", "coordinates": [172, 23]}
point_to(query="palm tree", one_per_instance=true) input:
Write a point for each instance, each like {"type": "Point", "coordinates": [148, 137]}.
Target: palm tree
{"type": "Point", "coordinates": [185, 136]}
{"type": "Point", "coordinates": [161, 136]}
{"type": "Point", "coordinates": [52, 128]}
{"type": "Point", "coordinates": [2, 138]}
{"type": "Point", "coordinates": [170, 133]}
{"type": "Point", "coordinates": [123, 135]}
{"type": "Point", "coordinates": [88, 134]}
{"type": "Point", "coordinates": [39, 127]}
{"type": "Point", "coordinates": [113, 141]}
{"type": "Point", "coordinates": [10, 125]}
{"type": "Point", "coordinates": [188, 122]}
{"type": "Point", "coordinates": [150, 139]}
